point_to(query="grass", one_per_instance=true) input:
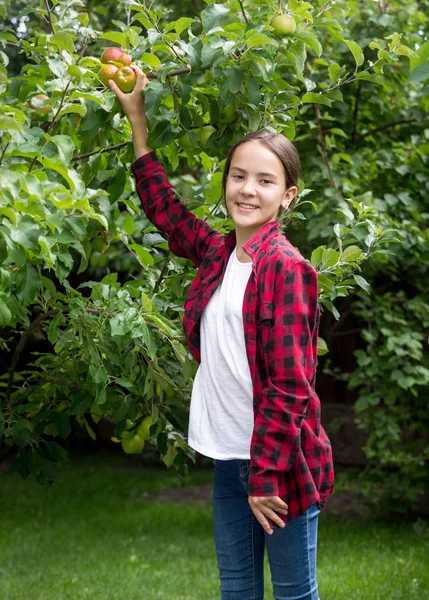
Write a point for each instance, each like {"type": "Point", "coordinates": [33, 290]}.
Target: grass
{"type": "Point", "coordinates": [96, 534]}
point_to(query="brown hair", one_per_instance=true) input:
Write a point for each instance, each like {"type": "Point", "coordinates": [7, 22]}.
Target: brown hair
{"type": "Point", "coordinates": [285, 152]}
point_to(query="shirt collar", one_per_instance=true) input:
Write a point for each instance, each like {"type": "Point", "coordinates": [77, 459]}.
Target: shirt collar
{"type": "Point", "coordinates": [254, 245]}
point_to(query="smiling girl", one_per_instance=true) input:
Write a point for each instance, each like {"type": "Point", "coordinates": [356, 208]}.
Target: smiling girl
{"type": "Point", "coordinates": [251, 321]}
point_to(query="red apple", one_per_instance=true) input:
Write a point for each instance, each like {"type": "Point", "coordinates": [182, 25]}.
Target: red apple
{"type": "Point", "coordinates": [125, 79]}
{"type": "Point", "coordinates": [115, 55]}
{"type": "Point", "coordinates": [107, 72]}
{"type": "Point", "coordinates": [39, 104]}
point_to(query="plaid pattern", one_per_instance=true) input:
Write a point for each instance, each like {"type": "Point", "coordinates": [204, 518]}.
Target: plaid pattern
{"type": "Point", "coordinates": [290, 453]}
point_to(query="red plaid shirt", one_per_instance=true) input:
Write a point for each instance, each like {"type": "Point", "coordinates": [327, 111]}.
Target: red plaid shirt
{"type": "Point", "coordinates": [290, 454]}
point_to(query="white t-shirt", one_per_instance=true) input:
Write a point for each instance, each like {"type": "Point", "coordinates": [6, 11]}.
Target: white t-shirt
{"type": "Point", "coordinates": [221, 415]}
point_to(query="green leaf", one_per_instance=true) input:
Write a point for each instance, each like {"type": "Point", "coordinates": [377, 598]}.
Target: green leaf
{"type": "Point", "coordinates": [356, 50]}
{"type": "Point", "coordinates": [183, 23]}
{"type": "Point", "coordinates": [214, 15]}
{"type": "Point", "coordinates": [235, 77]}
{"type": "Point", "coordinates": [362, 283]}
{"type": "Point", "coordinates": [256, 40]}
{"type": "Point", "coordinates": [129, 225]}
{"type": "Point", "coordinates": [334, 71]}
{"type": "Point", "coordinates": [9, 123]}
{"type": "Point", "coordinates": [117, 37]}
{"type": "Point", "coordinates": [144, 257]}
{"type": "Point", "coordinates": [322, 347]}
{"type": "Point", "coordinates": [351, 254]}
{"type": "Point", "coordinates": [310, 39]}
{"type": "Point", "coordinates": [63, 41]}
{"type": "Point", "coordinates": [90, 431]}
{"type": "Point", "coordinates": [5, 314]}
{"type": "Point", "coordinates": [150, 59]}
{"type": "Point", "coordinates": [313, 98]}
{"type": "Point", "coordinates": [372, 77]}
{"type": "Point", "coordinates": [420, 73]}
{"type": "Point", "coordinates": [316, 255]}
{"type": "Point", "coordinates": [29, 285]}
{"type": "Point", "coordinates": [329, 257]}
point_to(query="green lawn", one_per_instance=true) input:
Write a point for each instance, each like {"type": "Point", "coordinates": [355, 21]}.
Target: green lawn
{"type": "Point", "coordinates": [98, 535]}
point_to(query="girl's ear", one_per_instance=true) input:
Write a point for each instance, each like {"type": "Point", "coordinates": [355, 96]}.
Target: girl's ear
{"type": "Point", "coordinates": [289, 195]}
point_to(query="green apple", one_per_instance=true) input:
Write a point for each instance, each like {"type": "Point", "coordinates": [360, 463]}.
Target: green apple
{"type": "Point", "coordinates": [133, 445]}
{"type": "Point", "coordinates": [204, 133]}
{"type": "Point", "coordinates": [283, 25]}
{"type": "Point", "coordinates": [143, 430]}
{"type": "Point", "coordinates": [228, 114]}
{"type": "Point", "coordinates": [185, 141]}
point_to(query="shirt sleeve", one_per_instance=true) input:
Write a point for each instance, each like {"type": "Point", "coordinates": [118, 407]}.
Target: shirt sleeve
{"type": "Point", "coordinates": [189, 236]}
{"type": "Point", "coordinates": [290, 350]}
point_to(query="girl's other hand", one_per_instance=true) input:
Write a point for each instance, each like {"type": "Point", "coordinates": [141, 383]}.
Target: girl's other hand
{"type": "Point", "coordinates": [267, 507]}
{"type": "Point", "coordinates": [133, 102]}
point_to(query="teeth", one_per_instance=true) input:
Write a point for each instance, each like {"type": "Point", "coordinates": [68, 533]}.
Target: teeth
{"type": "Point", "coordinates": [246, 205]}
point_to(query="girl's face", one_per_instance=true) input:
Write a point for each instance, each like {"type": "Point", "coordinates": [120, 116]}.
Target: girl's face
{"type": "Point", "coordinates": [256, 187]}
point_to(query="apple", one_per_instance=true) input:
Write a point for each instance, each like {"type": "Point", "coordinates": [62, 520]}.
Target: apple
{"type": "Point", "coordinates": [116, 55]}
{"type": "Point", "coordinates": [107, 72]}
{"type": "Point", "coordinates": [204, 133]}
{"type": "Point", "coordinates": [228, 114]}
{"type": "Point", "coordinates": [39, 104]}
{"type": "Point", "coordinates": [185, 141]}
{"type": "Point", "coordinates": [99, 244]}
{"type": "Point", "coordinates": [143, 430]}
{"type": "Point", "coordinates": [125, 78]}
{"type": "Point", "coordinates": [133, 445]}
{"type": "Point", "coordinates": [283, 25]}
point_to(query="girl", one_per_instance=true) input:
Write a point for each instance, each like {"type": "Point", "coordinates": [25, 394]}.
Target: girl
{"type": "Point", "coordinates": [251, 321]}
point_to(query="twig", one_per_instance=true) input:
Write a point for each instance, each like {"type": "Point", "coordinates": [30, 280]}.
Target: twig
{"type": "Point", "coordinates": [48, 8]}
{"type": "Point", "coordinates": [54, 120]}
{"type": "Point", "coordinates": [106, 149]}
{"type": "Point", "coordinates": [4, 150]}
{"type": "Point", "coordinates": [24, 337]}
{"type": "Point", "coordinates": [384, 127]}
{"type": "Point", "coordinates": [163, 272]}
{"type": "Point", "coordinates": [242, 10]}
{"type": "Point", "coordinates": [324, 150]}
{"type": "Point", "coordinates": [145, 10]}
{"type": "Point", "coordinates": [356, 112]}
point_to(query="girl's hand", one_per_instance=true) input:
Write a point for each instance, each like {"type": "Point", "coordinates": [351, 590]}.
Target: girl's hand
{"type": "Point", "coordinates": [133, 102]}
{"type": "Point", "coordinates": [268, 506]}
{"type": "Point", "coordinates": [134, 108]}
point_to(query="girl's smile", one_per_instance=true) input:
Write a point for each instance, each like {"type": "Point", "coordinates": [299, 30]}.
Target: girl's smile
{"type": "Point", "coordinates": [256, 188]}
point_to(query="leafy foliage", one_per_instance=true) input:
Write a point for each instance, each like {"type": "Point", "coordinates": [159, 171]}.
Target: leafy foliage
{"type": "Point", "coordinates": [84, 272]}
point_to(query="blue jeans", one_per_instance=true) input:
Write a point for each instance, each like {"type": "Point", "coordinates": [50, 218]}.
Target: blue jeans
{"type": "Point", "coordinates": [240, 543]}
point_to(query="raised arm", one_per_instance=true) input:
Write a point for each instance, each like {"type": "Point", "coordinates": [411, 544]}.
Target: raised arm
{"type": "Point", "coordinates": [188, 236]}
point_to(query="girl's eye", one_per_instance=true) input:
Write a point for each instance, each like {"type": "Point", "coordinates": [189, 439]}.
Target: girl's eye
{"type": "Point", "coordinates": [237, 176]}
{"type": "Point", "coordinates": [266, 181]}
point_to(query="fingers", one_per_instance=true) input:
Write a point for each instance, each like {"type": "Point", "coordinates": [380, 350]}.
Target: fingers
{"type": "Point", "coordinates": [115, 88]}
{"type": "Point", "coordinates": [269, 507]}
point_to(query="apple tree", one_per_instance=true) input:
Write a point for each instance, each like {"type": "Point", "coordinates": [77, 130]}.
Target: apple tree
{"type": "Point", "coordinates": [90, 297]}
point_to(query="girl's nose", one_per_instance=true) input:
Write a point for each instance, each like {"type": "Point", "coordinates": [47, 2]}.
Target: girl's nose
{"type": "Point", "coordinates": [248, 187]}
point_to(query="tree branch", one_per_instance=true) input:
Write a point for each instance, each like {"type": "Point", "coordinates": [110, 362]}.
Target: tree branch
{"type": "Point", "coordinates": [24, 337]}
{"type": "Point", "coordinates": [355, 113]}
{"type": "Point", "coordinates": [324, 150]}
{"type": "Point", "coordinates": [358, 138]}
{"type": "Point", "coordinates": [4, 151]}
{"type": "Point", "coordinates": [242, 10]}
{"type": "Point", "coordinates": [48, 8]}
{"type": "Point", "coordinates": [106, 149]}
